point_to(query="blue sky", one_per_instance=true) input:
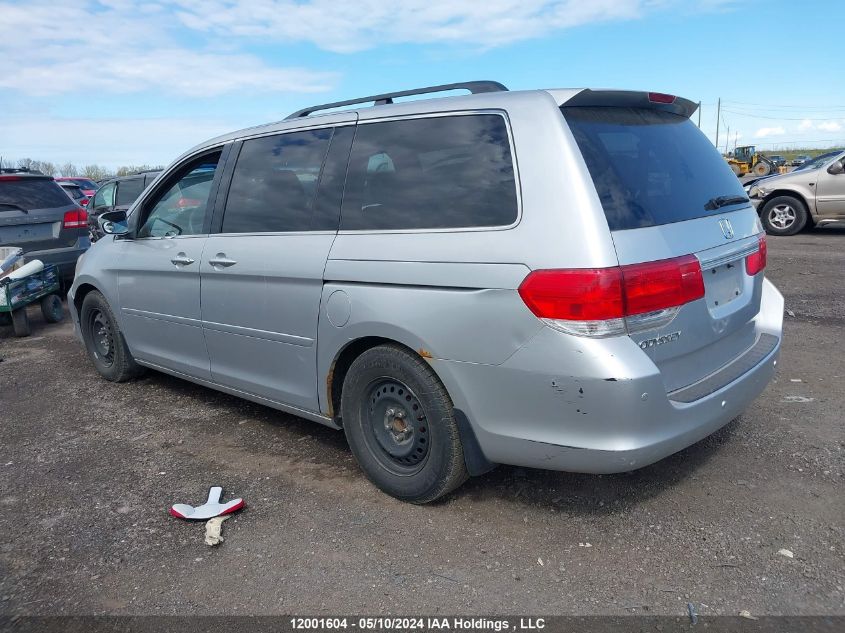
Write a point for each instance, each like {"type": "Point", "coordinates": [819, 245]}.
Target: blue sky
{"type": "Point", "coordinates": [126, 82]}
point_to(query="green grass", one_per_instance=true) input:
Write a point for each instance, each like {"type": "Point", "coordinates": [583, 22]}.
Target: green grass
{"type": "Point", "coordinates": [789, 154]}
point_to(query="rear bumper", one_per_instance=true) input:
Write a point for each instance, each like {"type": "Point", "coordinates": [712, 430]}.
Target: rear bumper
{"type": "Point", "coordinates": [600, 406]}
{"type": "Point", "coordinates": [65, 257]}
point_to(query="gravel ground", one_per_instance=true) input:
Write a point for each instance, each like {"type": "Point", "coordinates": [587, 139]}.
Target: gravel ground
{"type": "Point", "coordinates": [88, 470]}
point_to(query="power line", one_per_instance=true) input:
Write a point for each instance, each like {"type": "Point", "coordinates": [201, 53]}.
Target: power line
{"type": "Point", "coordinates": [802, 107]}
{"type": "Point", "coordinates": [778, 118]}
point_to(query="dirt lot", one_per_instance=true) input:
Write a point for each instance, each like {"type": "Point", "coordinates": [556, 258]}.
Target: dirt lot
{"type": "Point", "coordinates": [88, 470]}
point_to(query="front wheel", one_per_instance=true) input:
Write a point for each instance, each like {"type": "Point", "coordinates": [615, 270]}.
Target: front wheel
{"type": "Point", "coordinates": [784, 215]}
{"type": "Point", "coordinates": [51, 309]}
{"type": "Point", "coordinates": [399, 422]}
{"type": "Point", "coordinates": [104, 340]}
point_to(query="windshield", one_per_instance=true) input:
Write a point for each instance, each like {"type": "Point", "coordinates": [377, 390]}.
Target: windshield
{"type": "Point", "coordinates": [818, 161]}
{"type": "Point", "coordinates": [652, 167]}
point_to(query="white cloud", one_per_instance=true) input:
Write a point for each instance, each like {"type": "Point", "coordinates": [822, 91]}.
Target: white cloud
{"type": "Point", "coordinates": [829, 126]}
{"type": "Point", "coordinates": [129, 47]}
{"type": "Point", "coordinates": [353, 25]}
{"type": "Point", "coordinates": [763, 132]}
{"type": "Point", "coordinates": [806, 125]}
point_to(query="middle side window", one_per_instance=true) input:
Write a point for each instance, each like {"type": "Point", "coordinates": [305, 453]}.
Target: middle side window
{"type": "Point", "coordinates": [275, 182]}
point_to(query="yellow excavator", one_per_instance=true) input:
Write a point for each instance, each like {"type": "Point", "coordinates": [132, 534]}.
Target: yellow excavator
{"type": "Point", "coordinates": [746, 159]}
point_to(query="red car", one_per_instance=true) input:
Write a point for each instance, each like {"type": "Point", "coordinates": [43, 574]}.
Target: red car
{"type": "Point", "coordinates": [88, 186]}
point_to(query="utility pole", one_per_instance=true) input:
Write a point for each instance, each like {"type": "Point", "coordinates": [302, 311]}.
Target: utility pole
{"type": "Point", "coordinates": [727, 139]}
{"type": "Point", "coordinates": [718, 116]}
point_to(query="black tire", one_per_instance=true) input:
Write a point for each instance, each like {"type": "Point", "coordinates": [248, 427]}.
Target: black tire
{"type": "Point", "coordinates": [104, 340]}
{"type": "Point", "coordinates": [20, 322]}
{"type": "Point", "coordinates": [51, 309]}
{"type": "Point", "coordinates": [784, 215]}
{"type": "Point", "coordinates": [762, 169]}
{"type": "Point", "coordinates": [399, 422]}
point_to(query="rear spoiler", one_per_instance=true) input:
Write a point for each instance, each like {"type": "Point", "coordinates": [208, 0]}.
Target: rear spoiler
{"type": "Point", "coordinates": [632, 99]}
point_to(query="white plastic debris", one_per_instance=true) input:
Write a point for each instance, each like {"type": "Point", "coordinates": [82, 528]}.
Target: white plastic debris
{"type": "Point", "coordinates": [213, 530]}
{"type": "Point", "coordinates": [786, 552]}
{"type": "Point", "coordinates": [801, 399]}
{"type": "Point", "coordinates": [211, 508]}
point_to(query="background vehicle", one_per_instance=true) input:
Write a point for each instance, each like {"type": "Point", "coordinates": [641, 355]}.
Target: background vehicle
{"type": "Point", "coordinates": [562, 279]}
{"type": "Point", "coordinates": [811, 195]}
{"type": "Point", "coordinates": [75, 193]}
{"type": "Point", "coordinates": [778, 160]}
{"type": "Point", "coordinates": [746, 159]}
{"type": "Point", "coordinates": [88, 186]}
{"type": "Point", "coordinates": [800, 160]}
{"type": "Point", "coordinates": [117, 193]}
{"type": "Point", "coordinates": [39, 217]}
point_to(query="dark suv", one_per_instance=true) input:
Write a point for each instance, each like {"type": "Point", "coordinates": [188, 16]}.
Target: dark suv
{"type": "Point", "coordinates": [117, 193]}
{"type": "Point", "coordinates": [38, 216]}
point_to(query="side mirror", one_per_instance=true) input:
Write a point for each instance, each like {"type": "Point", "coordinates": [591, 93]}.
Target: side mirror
{"type": "Point", "coordinates": [837, 168]}
{"type": "Point", "coordinates": [113, 223]}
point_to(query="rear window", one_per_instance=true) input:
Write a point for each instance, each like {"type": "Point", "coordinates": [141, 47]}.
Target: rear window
{"type": "Point", "coordinates": [430, 173]}
{"type": "Point", "coordinates": [129, 190]}
{"type": "Point", "coordinates": [650, 167]}
{"type": "Point", "coordinates": [33, 193]}
{"type": "Point", "coordinates": [85, 183]}
{"type": "Point", "coordinates": [75, 192]}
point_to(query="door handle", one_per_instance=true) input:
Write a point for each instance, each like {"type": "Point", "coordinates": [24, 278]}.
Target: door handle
{"type": "Point", "coordinates": [221, 260]}
{"type": "Point", "coordinates": [182, 260]}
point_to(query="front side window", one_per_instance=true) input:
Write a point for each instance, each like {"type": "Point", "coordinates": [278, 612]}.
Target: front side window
{"type": "Point", "coordinates": [431, 173]}
{"type": "Point", "coordinates": [181, 208]}
{"type": "Point", "coordinates": [104, 196]}
{"type": "Point", "coordinates": [275, 182]}
{"type": "Point", "coordinates": [128, 190]}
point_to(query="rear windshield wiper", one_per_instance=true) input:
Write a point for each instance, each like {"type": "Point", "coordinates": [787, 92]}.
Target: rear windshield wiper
{"type": "Point", "coordinates": [723, 201]}
{"type": "Point", "coordinates": [14, 206]}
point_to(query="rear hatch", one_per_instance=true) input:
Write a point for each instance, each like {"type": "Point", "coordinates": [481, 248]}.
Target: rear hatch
{"type": "Point", "coordinates": [667, 194]}
{"type": "Point", "coordinates": [32, 214]}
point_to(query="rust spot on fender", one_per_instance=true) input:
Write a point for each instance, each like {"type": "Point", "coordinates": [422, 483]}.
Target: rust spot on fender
{"type": "Point", "coordinates": [329, 379]}
{"type": "Point", "coordinates": [424, 353]}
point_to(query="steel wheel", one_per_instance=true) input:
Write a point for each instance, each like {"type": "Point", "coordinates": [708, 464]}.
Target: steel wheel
{"type": "Point", "coordinates": [102, 336]}
{"type": "Point", "coordinates": [782, 216]}
{"type": "Point", "coordinates": [396, 426]}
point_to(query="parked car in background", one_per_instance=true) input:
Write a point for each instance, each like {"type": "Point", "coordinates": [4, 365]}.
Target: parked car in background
{"type": "Point", "coordinates": [117, 193]}
{"type": "Point", "coordinates": [778, 160]}
{"type": "Point", "coordinates": [812, 195]}
{"type": "Point", "coordinates": [88, 186]}
{"type": "Point", "coordinates": [37, 215]}
{"type": "Point", "coordinates": [343, 263]}
{"type": "Point", "coordinates": [75, 192]}
{"type": "Point", "coordinates": [800, 160]}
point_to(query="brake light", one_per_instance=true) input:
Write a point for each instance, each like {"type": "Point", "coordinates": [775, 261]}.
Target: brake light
{"type": "Point", "coordinates": [75, 219]}
{"type": "Point", "coordinates": [659, 97]}
{"type": "Point", "coordinates": [10, 178]}
{"type": "Point", "coordinates": [610, 301]}
{"type": "Point", "coordinates": [756, 262]}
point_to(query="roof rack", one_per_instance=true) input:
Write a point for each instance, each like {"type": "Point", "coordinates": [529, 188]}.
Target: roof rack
{"type": "Point", "coordinates": [474, 87]}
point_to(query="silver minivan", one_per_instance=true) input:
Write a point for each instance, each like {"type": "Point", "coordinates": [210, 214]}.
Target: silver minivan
{"type": "Point", "coordinates": [559, 279]}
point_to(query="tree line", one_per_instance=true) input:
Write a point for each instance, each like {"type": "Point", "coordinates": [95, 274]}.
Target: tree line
{"type": "Point", "coordinates": [93, 172]}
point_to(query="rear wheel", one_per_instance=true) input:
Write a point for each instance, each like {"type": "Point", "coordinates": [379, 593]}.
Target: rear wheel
{"type": "Point", "coordinates": [784, 215]}
{"type": "Point", "coordinates": [51, 309]}
{"type": "Point", "coordinates": [20, 322]}
{"type": "Point", "coordinates": [762, 169]}
{"type": "Point", "coordinates": [399, 423]}
{"type": "Point", "coordinates": [104, 340]}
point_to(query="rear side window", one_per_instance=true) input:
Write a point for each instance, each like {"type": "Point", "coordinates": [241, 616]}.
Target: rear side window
{"type": "Point", "coordinates": [275, 182]}
{"type": "Point", "coordinates": [430, 173]}
{"type": "Point", "coordinates": [32, 193]}
{"type": "Point", "coordinates": [129, 190]}
{"type": "Point", "coordinates": [650, 167]}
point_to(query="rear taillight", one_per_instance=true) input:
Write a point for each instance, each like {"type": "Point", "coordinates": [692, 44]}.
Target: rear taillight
{"type": "Point", "coordinates": [612, 301]}
{"type": "Point", "coordinates": [756, 262]}
{"type": "Point", "coordinates": [75, 219]}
